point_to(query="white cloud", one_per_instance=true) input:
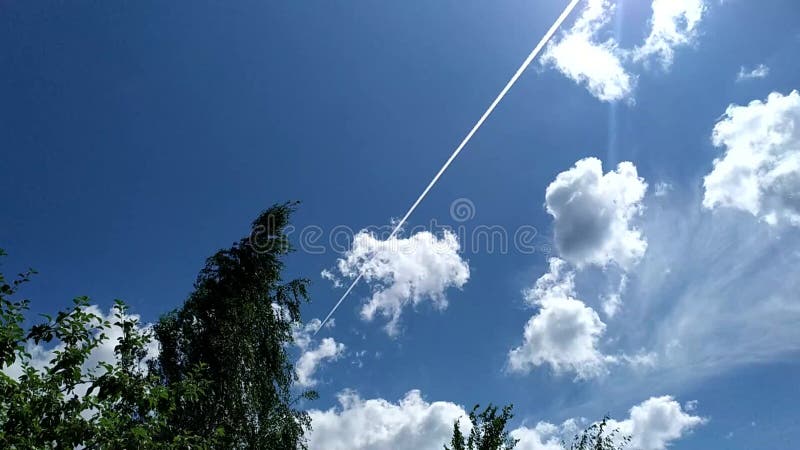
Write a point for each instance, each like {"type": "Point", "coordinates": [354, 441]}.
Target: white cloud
{"type": "Point", "coordinates": [358, 358]}
{"type": "Point", "coordinates": [656, 422]}
{"type": "Point", "coordinates": [309, 361]}
{"type": "Point", "coordinates": [405, 272]}
{"type": "Point", "coordinates": [612, 302]}
{"type": "Point", "coordinates": [377, 424]}
{"type": "Point", "coordinates": [663, 188]}
{"type": "Point", "coordinates": [760, 71]}
{"type": "Point", "coordinates": [652, 425]}
{"type": "Point", "coordinates": [592, 214]}
{"type": "Point", "coordinates": [584, 55]}
{"type": "Point", "coordinates": [673, 24]}
{"type": "Point", "coordinates": [544, 436]}
{"type": "Point", "coordinates": [564, 333]}
{"type": "Point", "coordinates": [718, 293]}
{"type": "Point", "coordinates": [312, 356]}
{"type": "Point", "coordinates": [641, 360]}
{"type": "Point", "coordinates": [597, 65]}
{"type": "Point", "coordinates": [760, 169]}
{"type": "Point", "coordinates": [303, 334]}
{"type": "Point", "coordinates": [328, 275]}
{"type": "Point", "coordinates": [415, 424]}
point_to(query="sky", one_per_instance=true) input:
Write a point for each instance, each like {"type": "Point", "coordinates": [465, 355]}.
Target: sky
{"type": "Point", "coordinates": [621, 236]}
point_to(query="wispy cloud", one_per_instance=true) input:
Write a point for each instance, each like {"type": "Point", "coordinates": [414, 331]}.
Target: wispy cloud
{"type": "Point", "coordinates": [760, 71]}
{"type": "Point", "coordinates": [717, 287]}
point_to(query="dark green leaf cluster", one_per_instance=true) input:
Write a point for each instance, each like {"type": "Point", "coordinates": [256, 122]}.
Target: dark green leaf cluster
{"type": "Point", "coordinates": [488, 431]}
{"type": "Point", "coordinates": [222, 377]}
{"type": "Point", "coordinates": [69, 403]}
{"type": "Point", "coordinates": [237, 324]}
{"type": "Point", "coordinates": [597, 437]}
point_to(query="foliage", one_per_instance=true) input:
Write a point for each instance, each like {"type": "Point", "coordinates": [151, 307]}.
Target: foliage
{"type": "Point", "coordinates": [69, 401]}
{"type": "Point", "coordinates": [222, 378]}
{"type": "Point", "coordinates": [138, 416]}
{"type": "Point", "coordinates": [596, 437]}
{"type": "Point", "coordinates": [237, 324]}
{"type": "Point", "coordinates": [488, 431]}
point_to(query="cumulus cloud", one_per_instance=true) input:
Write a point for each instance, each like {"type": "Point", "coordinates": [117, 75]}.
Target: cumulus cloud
{"type": "Point", "coordinates": [405, 272]}
{"type": "Point", "coordinates": [313, 356]}
{"type": "Point", "coordinates": [599, 63]}
{"type": "Point", "coordinates": [309, 361]}
{"type": "Point", "coordinates": [656, 422]}
{"type": "Point", "coordinates": [378, 424]}
{"type": "Point", "coordinates": [759, 171]}
{"type": "Point", "coordinates": [760, 71]}
{"type": "Point", "coordinates": [581, 57]}
{"type": "Point", "coordinates": [564, 333]}
{"type": "Point", "coordinates": [593, 214]}
{"type": "Point", "coordinates": [416, 424]}
{"type": "Point", "coordinates": [544, 436]}
{"type": "Point", "coordinates": [673, 24]}
{"type": "Point", "coordinates": [652, 425]}
{"type": "Point", "coordinates": [720, 290]}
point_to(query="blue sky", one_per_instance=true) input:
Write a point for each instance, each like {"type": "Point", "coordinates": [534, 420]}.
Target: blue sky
{"type": "Point", "coordinates": [140, 137]}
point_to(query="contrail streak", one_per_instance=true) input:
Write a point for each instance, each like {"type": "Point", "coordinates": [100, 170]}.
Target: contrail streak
{"type": "Point", "coordinates": [500, 96]}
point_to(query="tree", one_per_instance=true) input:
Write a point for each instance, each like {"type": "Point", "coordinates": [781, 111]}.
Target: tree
{"type": "Point", "coordinates": [237, 325]}
{"type": "Point", "coordinates": [488, 431]}
{"type": "Point", "coordinates": [66, 402]}
{"type": "Point", "coordinates": [222, 378]}
{"type": "Point", "coordinates": [596, 437]}
{"type": "Point", "coordinates": [134, 405]}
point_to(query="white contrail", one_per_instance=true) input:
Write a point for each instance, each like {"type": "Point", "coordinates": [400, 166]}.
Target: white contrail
{"type": "Point", "coordinates": [509, 85]}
